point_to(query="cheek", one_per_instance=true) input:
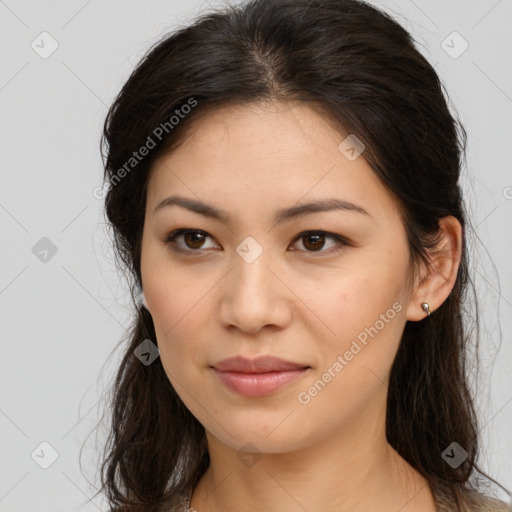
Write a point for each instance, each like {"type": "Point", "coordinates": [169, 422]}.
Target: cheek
{"type": "Point", "coordinates": [365, 316]}
{"type": "Point", "coordinates": [178, 327]}
{"type": "Point", "coordinates": [180, 355]}
{"type": "Point", "coordinates": [175, 298]}
{"type": "Point", "coordinates": [359, 300]}
{"type": "Point", "coordinates": [176, 311]}
{"type": "Point", "coordinates": [354, 366]}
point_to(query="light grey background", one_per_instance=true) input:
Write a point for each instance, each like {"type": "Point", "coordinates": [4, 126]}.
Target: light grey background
{"type": "Point", "coordinates": [62, 318]}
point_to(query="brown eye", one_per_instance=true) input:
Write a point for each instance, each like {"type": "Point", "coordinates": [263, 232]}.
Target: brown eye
{"type": "Point", "coordinates": [315, 241]}
{"type": "Point", "coordinates": [193, 240]}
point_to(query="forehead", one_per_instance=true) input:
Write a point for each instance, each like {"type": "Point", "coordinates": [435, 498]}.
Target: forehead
{"type": "Point", "coordinates": [275, 153]}
{"type": "Point", "coordinates": [299, 129]}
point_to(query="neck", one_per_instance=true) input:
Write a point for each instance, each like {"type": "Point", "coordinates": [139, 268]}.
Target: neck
{"type": "Point", "coordinates": [354, 470]}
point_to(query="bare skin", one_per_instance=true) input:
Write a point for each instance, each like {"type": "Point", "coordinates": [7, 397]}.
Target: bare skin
{"type": "Point", "coordinates": [320, 451]}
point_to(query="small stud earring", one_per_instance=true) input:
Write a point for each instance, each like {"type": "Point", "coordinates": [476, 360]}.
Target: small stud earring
{"type": "Point", "coordinates": [426, 308]}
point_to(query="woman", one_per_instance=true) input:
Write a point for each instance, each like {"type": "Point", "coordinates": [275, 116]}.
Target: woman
{"type": "Point", "coordinates": [283, 188]}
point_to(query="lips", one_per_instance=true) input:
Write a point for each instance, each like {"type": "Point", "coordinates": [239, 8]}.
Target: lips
{"type": "Point", "coordinates": [262, 364]}
{"type": "Point", "coordinates": [258, 377]}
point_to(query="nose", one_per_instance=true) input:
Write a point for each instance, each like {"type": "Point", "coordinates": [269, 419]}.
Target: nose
{"type": "Point", "coordinates": [253, 296]}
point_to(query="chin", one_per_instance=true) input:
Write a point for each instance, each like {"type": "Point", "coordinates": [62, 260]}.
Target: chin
{"type": "Point", "coordinates": [263, 440]}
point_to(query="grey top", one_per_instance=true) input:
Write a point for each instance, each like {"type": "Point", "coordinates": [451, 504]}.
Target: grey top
{"type": "Point", "coordinates": [184, 504]}
{"type": "Point", "coordinates": [473, 502]}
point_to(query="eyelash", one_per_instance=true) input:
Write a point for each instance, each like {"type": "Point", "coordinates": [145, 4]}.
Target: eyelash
{"type": "Point", "coordinates": [170, 239]}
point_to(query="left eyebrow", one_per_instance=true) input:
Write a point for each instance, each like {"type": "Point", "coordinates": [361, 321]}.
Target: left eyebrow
{"type": "Point", "coordinates": [280, 216]}
{"type": "Point", "coordinates": [324, 205]}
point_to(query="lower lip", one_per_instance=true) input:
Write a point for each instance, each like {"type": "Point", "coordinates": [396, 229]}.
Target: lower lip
{"type": "Point", "coordinates": [258, 384]}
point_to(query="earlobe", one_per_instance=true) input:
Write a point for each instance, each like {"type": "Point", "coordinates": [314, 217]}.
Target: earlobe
{"type": "Point", "coordinates": [142, 299]}
{"type": "Point", "coordinates": [445, 259]}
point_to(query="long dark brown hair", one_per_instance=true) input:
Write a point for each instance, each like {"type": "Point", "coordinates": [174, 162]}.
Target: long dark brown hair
{"type": "Point", "coordinates": [359, 69]}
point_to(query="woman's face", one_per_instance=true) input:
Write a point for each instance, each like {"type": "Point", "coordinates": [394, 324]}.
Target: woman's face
{"type": "Point", "coordinates": [249, 285]}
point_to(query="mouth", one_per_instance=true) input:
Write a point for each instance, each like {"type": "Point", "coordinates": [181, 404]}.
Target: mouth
{"type": "Point", "coordinates": [262, 364]}
{"type": "Point", "coordinates": [259, 384]}
{"type": "Point", "coordinates": [258, 377]}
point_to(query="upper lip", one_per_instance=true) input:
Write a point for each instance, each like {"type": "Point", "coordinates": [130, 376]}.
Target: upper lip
{"type": "Point", "coordinates": [260, 364]}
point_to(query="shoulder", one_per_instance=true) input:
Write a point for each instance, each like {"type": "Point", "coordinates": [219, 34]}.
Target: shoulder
{"type": "Point", "coordinates": [478, 502]}
{"type": "Point", "coordinates": [183, 502]}
{"type": "Point", "coordinates": [472, 501]}
{"type": "Point", "coordinates": [178, 502]}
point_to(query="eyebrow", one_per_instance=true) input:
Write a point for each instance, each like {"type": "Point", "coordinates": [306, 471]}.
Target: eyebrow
{"type": "Point", "coordinates": [283, 215]}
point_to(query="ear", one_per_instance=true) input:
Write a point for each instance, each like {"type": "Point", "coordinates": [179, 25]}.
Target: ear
{"type": "Point", "coordinates": [141, 299]}
{"type": "Point", "coordinates": [436, 286]}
